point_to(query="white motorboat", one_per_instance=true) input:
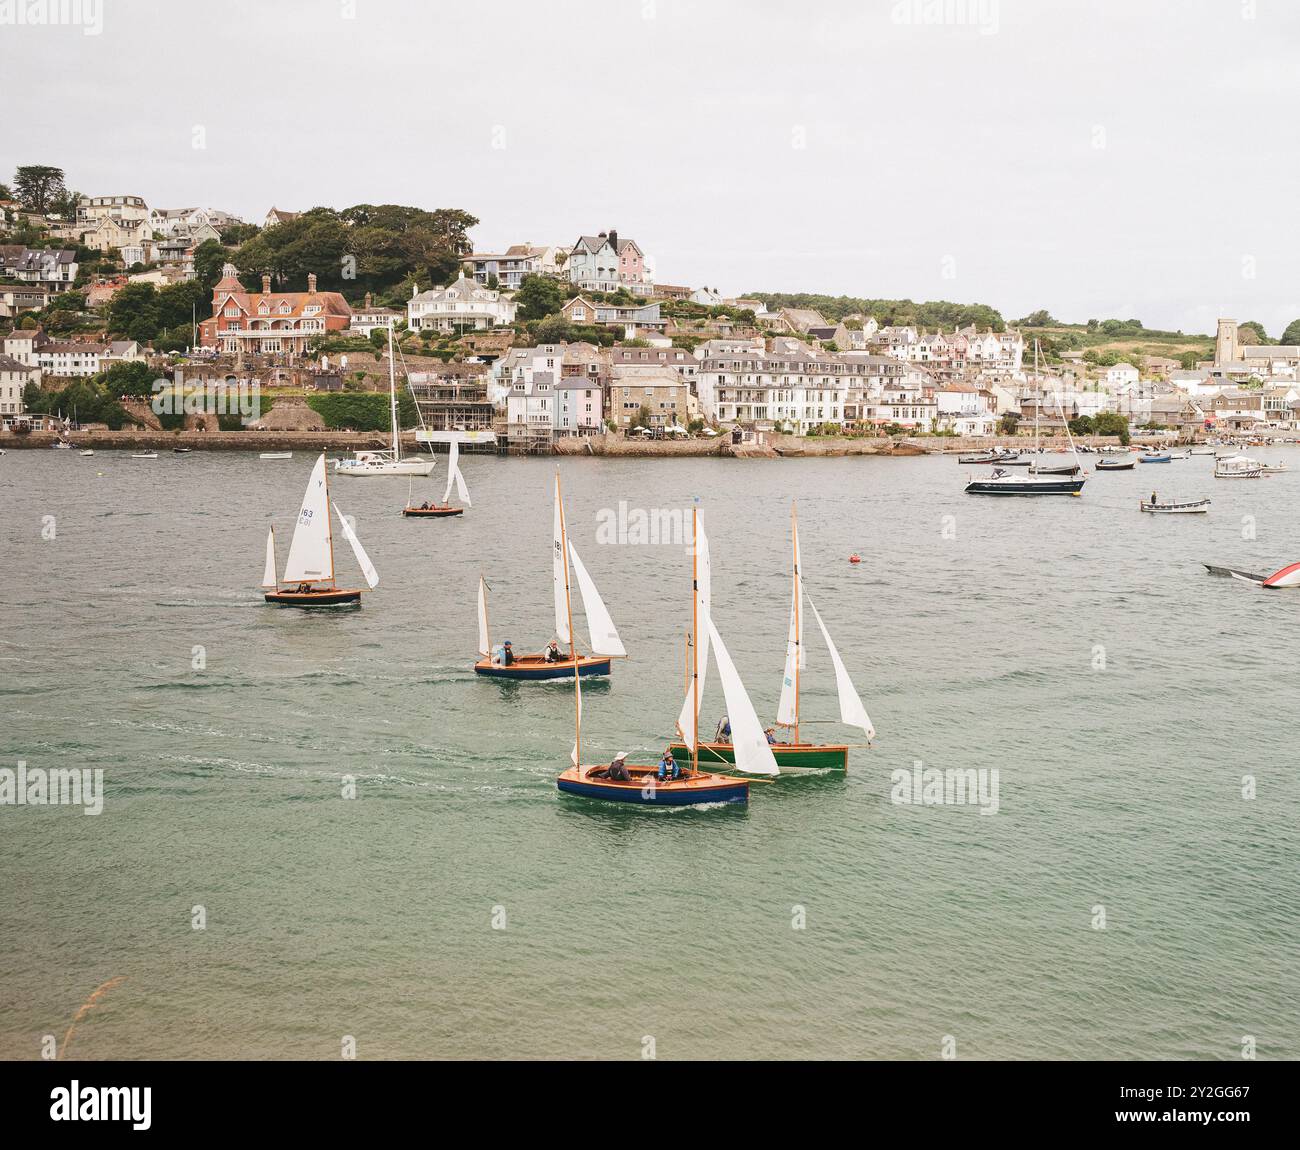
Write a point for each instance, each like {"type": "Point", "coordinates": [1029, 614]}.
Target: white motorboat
{"type": "Point", "coordinates": [1272, 468]}
{"type": "Point", "coordinates": [61, 445]}
{"type": "Point", "coordinates": [388, 462]}
{"type": "Point", "coordinates": [145, 455]}
{"type": "Point", "coordinates": [1237, 467]}
{"type": "Point", "coordinates": [88, 453]}
{"type": "Point", "coordinates": [276, 455]}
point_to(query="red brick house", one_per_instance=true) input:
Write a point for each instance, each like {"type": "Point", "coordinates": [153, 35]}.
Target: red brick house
{"type": "Point", "coordinates": [267, 322]}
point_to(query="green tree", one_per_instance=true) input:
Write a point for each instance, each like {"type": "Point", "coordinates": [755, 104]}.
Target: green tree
{"type": "Point", "coordinates": [1007, 422]}
{"type": "Point", "coordinates": [232, 235]}
{"type": "Point", "coordinates": [1252, 333]}
{"type": "Point", "coordinates": [538, 297]}
{"type": "Point", "coordinates": [134, 379]}
{"type": "Point", "coordinates": [1292, 334]}
{"type": "Point", "coordinates": [134, 313]}
{"type": "Point", "coordinates": [1040, 318]}
{"type": "Point", "coordinates": [209, 258]}
{"type": "Point", "coordinates": [1112, 423]}
{"type": "Point", "coordinates": [39, 187]}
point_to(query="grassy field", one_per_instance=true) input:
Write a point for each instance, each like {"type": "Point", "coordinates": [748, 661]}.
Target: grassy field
{"type": "Point", "coordinates": [1129, 344]}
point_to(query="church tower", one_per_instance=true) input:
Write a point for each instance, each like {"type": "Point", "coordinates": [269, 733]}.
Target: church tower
{"type": "Point", "coordinates": [1225, 343]}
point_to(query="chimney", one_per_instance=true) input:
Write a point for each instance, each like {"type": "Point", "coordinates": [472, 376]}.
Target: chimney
{"type": "Point", "coordinates": [311, 282]}
{"type": "Point", "coordinates": [266, 285]}
{"type": "Point", "coordinates": [613, 239]}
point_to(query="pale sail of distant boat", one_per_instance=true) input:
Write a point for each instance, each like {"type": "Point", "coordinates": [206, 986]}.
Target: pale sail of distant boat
{"type": "Point", "coordinates": [483, 648]}
{"type": "Point", "coordinates": [702, 607]}
{"type": "Point", "coordinates": [560, 570]}
{"type": "Point", "coordinates": [753, 753]}
{"type": "Point", "coordinates": [311, 556]}
{"type": "Point", "coordinates": [852, 712]}
{"type": "Point", "coordinates": [796, 658]}
{"type": "Point", "coordinates": [604, 637]}
{"type": "Point", "coordinates": [454, 476]}
{"type": "Point", "coordinates": [268, 573]}
{"type": "Point", "coordinates": [363, 560]}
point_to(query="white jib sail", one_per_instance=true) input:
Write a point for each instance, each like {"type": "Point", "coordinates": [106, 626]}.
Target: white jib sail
{"type": "Point", "coordinates": [604, 638]}
{"type": "Point", "coordinates": [787, 708]}
{"type": "Point", "coordinates": [363, 560]}
{"type": "Point", "coordinates": [852, 712]}
{"type": "Point", "coordinates": [309, 550]}
{"type": "Point", "coordinates": [560, 571]}
{"type": "Point", "coordinates": [703, 605]}
{"type": "Point", "coordinates": [454, 476]}
{"type": "Point", "coordinates": [268, 572]}
{"type": "Point", "coordinates": [753, 753]}
{"type": "Point", "coordinates": [483, 648]}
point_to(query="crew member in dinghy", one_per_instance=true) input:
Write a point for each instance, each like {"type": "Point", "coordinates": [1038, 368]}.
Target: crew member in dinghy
{"type": "Point", "coordinates": [724, 731]}
{"type": "Point", "coordinates": [618, 771]}
{"type": "Point", "coordinates": [507, 655]}
{"type": "Point", "coordinates": [553, 653]}
{"type": "Point", "coordinates": [668, 767]}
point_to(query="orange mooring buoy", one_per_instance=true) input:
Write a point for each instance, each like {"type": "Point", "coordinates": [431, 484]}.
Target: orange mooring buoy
{"type": "Point", "coordinates": [855, 558]}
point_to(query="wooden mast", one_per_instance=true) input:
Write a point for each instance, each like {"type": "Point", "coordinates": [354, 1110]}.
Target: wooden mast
{"type": "Point", "coordinates": [798, 654]}
{"type": "Point", "coordinates": [695, 636]}
{"type": "Point", "coordinates": [573, 647]}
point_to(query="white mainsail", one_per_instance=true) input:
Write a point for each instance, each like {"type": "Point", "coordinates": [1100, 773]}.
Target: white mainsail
{"type": "Point", "coordinates": [703, 605]}
{"type": "Point", "coordinates": [268, 573]}
{"type": "Point", "coordinates": [454, 476]}
{"type": "Point", "coordinates": [852, 712]}
{"type": "Point", "coordinates": [796, 658]}
{"type": "Point", "coordinates": [363, 560]}
{"type": "Point", "coordinates": [483, 648]}
{"type": "Point", "coordinates": [604, 638]}
{"type": "Point", "coordinates": [310, 551]}
{"type": "Point", "coordinates": [560, 571]}
{"type": "Point", "coordinates": [753, 753]}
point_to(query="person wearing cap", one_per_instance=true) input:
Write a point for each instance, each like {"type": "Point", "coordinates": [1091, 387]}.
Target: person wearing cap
{"type": "Point", "coordinates": [618, 771]}
{"type": "Point", "coordinates": [508, 655]}
{"type": "Point", "coordinates": [668, 767]}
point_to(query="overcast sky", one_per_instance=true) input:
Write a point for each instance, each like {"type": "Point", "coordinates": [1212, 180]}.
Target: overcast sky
{"type": "Point", "coordinates": [1100, 158]}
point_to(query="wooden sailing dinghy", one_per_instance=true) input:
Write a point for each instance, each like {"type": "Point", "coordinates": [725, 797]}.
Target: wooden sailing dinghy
{"type": "Point", "coordinates": [605, 643]}
{"type": "Point", "coordinates": [641, 784]}
{"type": "Point", "coordinates": [443, 509]}
{"type": "Point", "coordinates": [309, 571]}
{"type": "Point", "coordinates": [797, 756]}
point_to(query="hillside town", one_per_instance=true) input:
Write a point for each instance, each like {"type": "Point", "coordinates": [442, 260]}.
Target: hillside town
{"type": "Point", "coordinates": [522, 348]}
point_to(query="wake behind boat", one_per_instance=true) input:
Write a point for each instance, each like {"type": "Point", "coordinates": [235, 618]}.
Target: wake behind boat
{"type": "Point", "coordinates": [309, 571]}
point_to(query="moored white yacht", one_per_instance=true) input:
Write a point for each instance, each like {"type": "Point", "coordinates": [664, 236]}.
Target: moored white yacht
{"type": "Point", "coordinates": [390, 462]}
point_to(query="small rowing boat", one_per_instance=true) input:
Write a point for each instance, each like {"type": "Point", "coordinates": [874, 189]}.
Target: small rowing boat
{"type": "Point", "coordinates": [1197, 507]}
{"type": "Point", "coordinates": [1116, 464]}
{"type": "Point", "coordinates": [276, 455]}
{"type": "Point", "coordinates": [1157, 457]}
{"type": "Point", "coordinates": [1288, 576]}
{"type": "Point", "coordinates": [145, 455]}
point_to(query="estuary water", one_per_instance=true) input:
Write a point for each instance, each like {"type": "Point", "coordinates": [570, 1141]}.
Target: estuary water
{"type": "Point", "coordinates": [1124, 901]}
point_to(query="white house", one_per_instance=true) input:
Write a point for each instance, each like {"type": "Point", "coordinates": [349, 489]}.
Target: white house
{"type": "Point", "coordinates": [368, 317]}
{"type": "Point", "coordinates": [14, 378]}
{"type": "Point", "coordinates": [1122, 373]}
{"type": "Point", "coordinates": [604, 262]}
{"type": "Point", "coordinates": [578, 406]}
{"type": "Point", "coordinates": [65, 358]}
{"type": "Point", "coordinates": [530, 411]}
{"type": "Point", "coordinates": [463, 304]}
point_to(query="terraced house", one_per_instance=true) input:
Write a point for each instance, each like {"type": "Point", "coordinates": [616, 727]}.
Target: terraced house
{"type": "Point", "coordinates": [790, 384]}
